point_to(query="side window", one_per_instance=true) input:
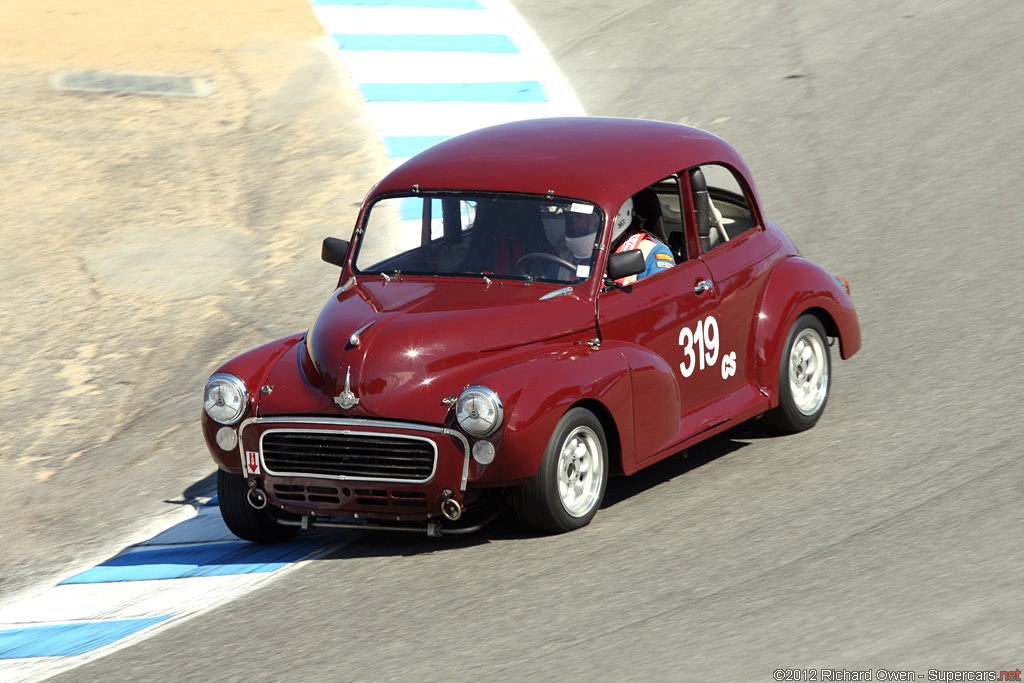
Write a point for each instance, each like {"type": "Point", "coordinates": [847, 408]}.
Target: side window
{"type": "Point", "coordinates": [672, 216]}
{"type": "Point", "coordinates": [721, 208]}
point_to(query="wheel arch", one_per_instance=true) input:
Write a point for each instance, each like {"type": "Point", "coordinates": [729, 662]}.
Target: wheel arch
{"type": "Point", "coordinates": [598, 380]}
{"type": "Point", "coordinates": [570, 483]}
{"type": "Point", "coordinates": [795, 287]}
{"type": "Point", "coordinates": [827, 321]}
{"type": "Point", "coordinates": [252, 367]}
{"type": "Point", "coordinates": [611, 431]}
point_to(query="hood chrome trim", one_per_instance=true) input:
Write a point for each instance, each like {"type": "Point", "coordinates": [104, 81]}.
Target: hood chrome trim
{"type": "Point", "coordinates": [346, 399]}
{"type": "Point", "coordinates": [355, 338]}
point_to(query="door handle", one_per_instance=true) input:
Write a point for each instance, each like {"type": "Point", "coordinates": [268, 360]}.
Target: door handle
{"type": "Point", "coordinates": [703, 286]}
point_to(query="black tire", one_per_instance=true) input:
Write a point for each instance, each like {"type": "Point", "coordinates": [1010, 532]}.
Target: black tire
{"type": "Point", "coordinates": [564, 496]}
{"type": "Point", "coordinates": [242, 519]}
{"type": "Point", "coordinates": [804, 378]}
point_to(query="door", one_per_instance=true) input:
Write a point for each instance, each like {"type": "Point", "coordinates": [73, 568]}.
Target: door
{"type": "Point", "coordinates": [668, 327]}
{"type": "Point", "coordinates": [736, 251]}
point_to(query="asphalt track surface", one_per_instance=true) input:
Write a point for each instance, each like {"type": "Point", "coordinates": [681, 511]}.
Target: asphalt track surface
{"type": "Point", "coordinates": [885, 137]}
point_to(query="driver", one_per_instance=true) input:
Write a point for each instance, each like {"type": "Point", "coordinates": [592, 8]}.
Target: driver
{"type": "Point", "coordinates": [628, 234]}
{"type": "Point", "coordinates": [581, 231]}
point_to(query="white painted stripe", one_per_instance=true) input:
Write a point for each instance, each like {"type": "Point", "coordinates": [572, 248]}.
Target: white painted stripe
{"type": "Point", "coordinates": [180, 515]}
{"type": "Point", "coordinates": [389, 66]}
{"type": "Point", "coordinates": [451, 118]}
{"type": "Point", "coordinates": [22, 669]}
{"type": "Point", "coordinates": [207, 526]}
{"type": "Point", "coordinates": [12, 670]}
{"type": "Point", "coordinates": [121, 600]}
{"type": "Point", "coordinates": [408, 20]}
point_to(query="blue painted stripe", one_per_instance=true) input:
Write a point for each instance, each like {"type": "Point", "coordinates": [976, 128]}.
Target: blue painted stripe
{"type": "Point", "coordinates": [431, 4]}
{"type": "Point", "coordinates": [518, 91]}
{"type": "Point", "coordinates": [401, 146]}
{"type": "Point", "coordinates": [62, 640]}
{"type": "Point", "coordinates": [491, 43]}
{"type": "Point", "coordinates": [222, 559]}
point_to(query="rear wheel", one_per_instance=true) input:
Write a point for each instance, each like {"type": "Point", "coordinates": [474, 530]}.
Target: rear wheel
{"type": "Point", "coordinates": [805, 374]}
{"type": "Point", "coordinates": [242, 519]}
{"type": "Point", "coordinates": [571, 480]}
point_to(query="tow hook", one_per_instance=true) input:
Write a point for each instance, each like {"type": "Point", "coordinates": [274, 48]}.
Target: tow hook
{"type": "Point", "coordinates": [255, 496]}
{"type": "Point", "coordinates": [450, 507]}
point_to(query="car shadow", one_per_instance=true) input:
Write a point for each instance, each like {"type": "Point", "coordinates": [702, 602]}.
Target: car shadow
{"type": "Point", "coordinates": [199, 493]}
{"type": "Point", "coordinates": [507, 527]}
{"type": "Point", "coordinates": [622, 488]}
{"type": "Point", "coordinates": [356, 543]}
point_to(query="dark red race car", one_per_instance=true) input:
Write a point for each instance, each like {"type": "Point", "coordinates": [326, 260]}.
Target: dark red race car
{"type": "Point", "coordinates": [523, 311]}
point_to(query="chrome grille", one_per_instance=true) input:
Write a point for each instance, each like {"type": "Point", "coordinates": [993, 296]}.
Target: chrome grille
{"type": "Point", "coordinates": [352, 454]}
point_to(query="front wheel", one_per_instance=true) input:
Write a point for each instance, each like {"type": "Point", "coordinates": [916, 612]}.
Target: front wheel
{"type": "Point", "coordinates": [242, 519]}
{"type": "Point", "coordinates": [571, 480]}
{"type": "Point", "coordinates": [804, 378]}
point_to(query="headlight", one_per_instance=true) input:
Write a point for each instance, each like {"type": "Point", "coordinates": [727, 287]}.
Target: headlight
{"type": "Point", "coordinates": [225, 398]}
{"type": "Point", "coordinates": [479, 411]}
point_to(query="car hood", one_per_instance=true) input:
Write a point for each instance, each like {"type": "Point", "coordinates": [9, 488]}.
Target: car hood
{"type": "Point", "coordinates": [422, 341]}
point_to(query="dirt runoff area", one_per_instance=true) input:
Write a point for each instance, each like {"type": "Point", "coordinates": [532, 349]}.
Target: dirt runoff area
{"type": "Point", "coordinates": [145, 240]}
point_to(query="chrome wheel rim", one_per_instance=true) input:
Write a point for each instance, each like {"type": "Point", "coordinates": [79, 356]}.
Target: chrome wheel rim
{"type": "Point", "coordinates": [808, 372]}
{"type": "Point", "coordinates": [580, 471]}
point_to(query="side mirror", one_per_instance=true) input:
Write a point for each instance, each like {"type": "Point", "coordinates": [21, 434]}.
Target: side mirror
{"type": "Point", "coordinates": [334, 251]}
{"type": "Point", "coordinates": [626, 263]}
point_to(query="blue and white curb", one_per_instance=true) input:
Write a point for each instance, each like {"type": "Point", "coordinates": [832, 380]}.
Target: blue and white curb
{"type": "Point", "coordinates": [181, 572]}
{"type": "Point", "coordinates": [428, 70]}
{"type": "Point", "coordinates": [432, 69]}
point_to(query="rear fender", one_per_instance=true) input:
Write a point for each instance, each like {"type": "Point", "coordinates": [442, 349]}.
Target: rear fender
{"type": "Point", "coordinates": [797, 286]}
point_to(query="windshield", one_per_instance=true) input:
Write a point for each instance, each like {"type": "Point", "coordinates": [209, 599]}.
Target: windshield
{"type": "Point", "coordinates": [477, 235]}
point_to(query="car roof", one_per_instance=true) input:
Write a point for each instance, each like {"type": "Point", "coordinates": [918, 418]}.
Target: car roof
{"type": "Point", "coordinates": [602, 160]}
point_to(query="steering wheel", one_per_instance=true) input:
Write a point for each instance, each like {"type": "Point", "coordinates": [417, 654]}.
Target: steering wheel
{"type": "Point", "coordinates": [542, 256]}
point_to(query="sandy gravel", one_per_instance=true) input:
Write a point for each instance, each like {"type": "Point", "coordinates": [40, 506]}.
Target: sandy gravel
{"type": "Point", "coordinates": [144, 240]}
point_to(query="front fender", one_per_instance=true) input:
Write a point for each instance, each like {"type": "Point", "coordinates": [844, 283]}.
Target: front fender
{"type": "Point", "coordinates": [252, 367]}
{"type": "Point", "coordinates": [796, 286]}
{"type": "Point", "coordinates": [537, 392]}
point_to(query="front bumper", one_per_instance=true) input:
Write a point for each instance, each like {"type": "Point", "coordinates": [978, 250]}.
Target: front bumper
{"type": "Point", "coordinates": [350, 467]}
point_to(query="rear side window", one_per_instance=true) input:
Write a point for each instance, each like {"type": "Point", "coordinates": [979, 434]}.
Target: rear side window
{"type": "Point", "coordinates": [730, 214]}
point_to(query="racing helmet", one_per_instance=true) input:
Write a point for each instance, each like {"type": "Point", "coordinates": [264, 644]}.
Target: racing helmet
{"type": "Point", "coordinates": [622, 219]}
{"type": "Point", "coordinates": [581, 232]}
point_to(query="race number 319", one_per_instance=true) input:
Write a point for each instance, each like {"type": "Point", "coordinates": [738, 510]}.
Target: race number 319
{"type": "Point", "coordinates": [700, 346]}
